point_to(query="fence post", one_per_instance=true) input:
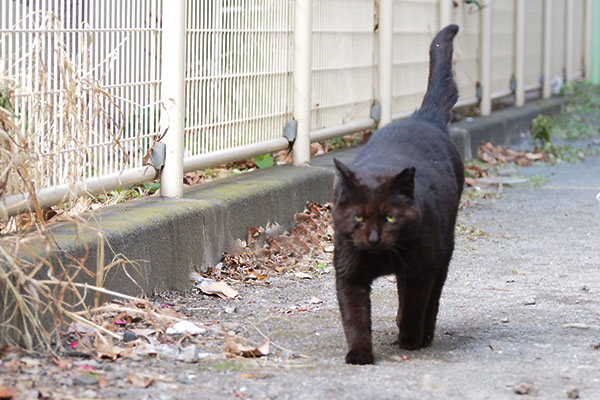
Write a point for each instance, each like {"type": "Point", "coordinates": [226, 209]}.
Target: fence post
{"type": "Point", "coordinates": [595, 67]}
{"type": "Point", "coordinates": [547, 68]}
{"type": "Point", "coordinates": [587, 50]}
{"type": "Point", "coordinates": [172, 89]}
{"type": "Point", "coordinates": [302, 80]}
{"type": "Point", "coordinates": [520, 54]}
{"type": "Point", "coordinates": [445, 13]}
{"type": "Point", "coordinates": [386, 32]}
{"type": "Point", "coordinates": [569, 28]}
{"type": "Point", "coordinates": [486, 58]}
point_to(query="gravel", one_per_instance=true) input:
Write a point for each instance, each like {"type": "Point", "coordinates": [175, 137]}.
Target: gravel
{"type": "Point", "coordinates": [492, 341]}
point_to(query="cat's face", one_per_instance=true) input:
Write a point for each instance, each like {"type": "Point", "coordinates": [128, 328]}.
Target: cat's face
{"type": "Point", "coordinates": [375, 211]}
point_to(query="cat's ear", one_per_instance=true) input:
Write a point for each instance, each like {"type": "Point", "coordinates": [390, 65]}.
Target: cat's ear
{"type": "Point", "coordinates": [348, 177]}
{"type": "Point", "coordinates": [404, 182]}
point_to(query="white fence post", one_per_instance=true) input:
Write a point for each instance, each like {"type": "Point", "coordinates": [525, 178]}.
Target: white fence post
{"type": "Point", "coordinates": [445, 13]}
{"type": "Point", "coordinates": [386, 32]}
{"type": "Point", "coordinates": [173, 87]}
{"type": "Point", "coordinates": [587, 50]}
{"type": "Point", "coordinates": [486, 58]}
{"type": "Point", "coordinates": [547, 68]}
{"type": "Point", "coordinates": [520, 54]}
{"type": "Point", "coordinates": [569, 28]}
{"type": "Point", "coordinates": [302, 80]}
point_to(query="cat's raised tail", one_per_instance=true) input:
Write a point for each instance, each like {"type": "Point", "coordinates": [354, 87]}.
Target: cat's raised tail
{"type": "Point", "coordinates": [442, 92]}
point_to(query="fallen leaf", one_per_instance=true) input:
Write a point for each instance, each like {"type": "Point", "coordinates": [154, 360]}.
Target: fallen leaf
{"type": "Point", "coordinates": [302, 275]}
{"type": "Point", "coordinates": [185, 328]}
{"type": "Point", "coordinates": [253, 376]}
{"type": "Point", "coordinates": [220, 289]}
{"type": "Point", "coordinates": [238, 349]}
{"type": "Point", "coordinates": [140, 380]}
{"type": "Point", "coordinates": [6, 351]}
{"type": "Point", "coordinates": [470, 182]}
{"type": "Point", "coordinates": [111, 352]}
{"type": "Point", "coordinates": [63, 364]}
{"type": "Point", "coordinates": [534, 156]}
{"type": "Point", "coordinates": [7, 393]}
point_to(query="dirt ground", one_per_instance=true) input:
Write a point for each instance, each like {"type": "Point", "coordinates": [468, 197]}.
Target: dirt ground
{"type": "Point", "coordinates": [520, 316]}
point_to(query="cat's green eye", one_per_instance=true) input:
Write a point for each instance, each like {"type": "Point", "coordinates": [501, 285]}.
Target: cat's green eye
{"type": "Point", "coordinates": [390, 219]}
{"type": "Point", "coordinates": [358, 218]}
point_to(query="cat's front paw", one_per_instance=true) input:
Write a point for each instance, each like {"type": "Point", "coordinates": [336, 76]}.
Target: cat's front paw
{"type": "Point", "coordinates": [360, 357]}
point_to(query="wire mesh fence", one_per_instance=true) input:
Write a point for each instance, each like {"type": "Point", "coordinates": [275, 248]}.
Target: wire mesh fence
{"type": "Point", "coordinates": [81, 79]}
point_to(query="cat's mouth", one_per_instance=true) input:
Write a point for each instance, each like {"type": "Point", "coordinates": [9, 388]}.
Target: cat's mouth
{"type": "Point", "coordinates": [377, 249]}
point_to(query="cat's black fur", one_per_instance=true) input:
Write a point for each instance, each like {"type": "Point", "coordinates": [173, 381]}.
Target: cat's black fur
{"type": "Point", "coordinates": [394, 212]}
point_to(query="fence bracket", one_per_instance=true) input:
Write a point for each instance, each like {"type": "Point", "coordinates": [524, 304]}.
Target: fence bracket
{"type": "Point", "coordinates": [159, 151]}
{"type": "Point", "coordinates": [376, 113]}
{"type": "Point", "coordinates": [290, 129]}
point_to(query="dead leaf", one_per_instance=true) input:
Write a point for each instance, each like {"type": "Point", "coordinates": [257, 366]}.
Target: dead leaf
{"type": "Point", "coordinates": [140, 380]}
{"type": "Point", "coordinates": [110, 351]}
{"type": "Point", "coordinates": [238, 349]}
{"type": "Point", "coordinates": [7, 393]}
{"type": "Point", "coordinates": [302, 275]}
{"type": "Point", "coordinates": [63, 364]}
{"type": "Point", "coordinates": [6, 351]}
{"type": "Point", "coordinates": [143, 332]}
{"type": "Point", "coordinates": [220, 289]}
{"type": "Point", "coordinates": [253, 376]}
{"type": "Point", "coordinates": [534, 156]}
{"type": "Point", "coordinates": [470, 182]}
{"type": "Point", "coordinates": [185, 328]}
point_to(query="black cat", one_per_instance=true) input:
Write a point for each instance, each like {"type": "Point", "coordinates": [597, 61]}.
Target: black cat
{"type": "Point", "coordinates": [394, 212]}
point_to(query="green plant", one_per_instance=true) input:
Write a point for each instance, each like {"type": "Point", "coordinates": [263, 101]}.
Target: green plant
{"type": "Point", "coordinates": [320, 266]}
{"type": "Point", "coordinates": [541, 129]}
{"type": "Point", "coordinates": [264, 161]}
{"type": "Point", "coordinates": [537, 180]}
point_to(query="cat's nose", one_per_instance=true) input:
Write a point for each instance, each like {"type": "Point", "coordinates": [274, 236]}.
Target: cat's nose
{"type": "Point", "coordinates": [373, 238]}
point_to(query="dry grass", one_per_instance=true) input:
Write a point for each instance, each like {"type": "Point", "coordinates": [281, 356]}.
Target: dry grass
{"type": "Point", "coordinates": [41, 293]}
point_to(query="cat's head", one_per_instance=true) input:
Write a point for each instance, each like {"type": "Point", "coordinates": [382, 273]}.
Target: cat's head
{"type": "Point", "coordinates": [375, 209]}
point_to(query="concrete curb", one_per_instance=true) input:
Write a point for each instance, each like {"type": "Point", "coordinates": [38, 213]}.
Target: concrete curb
{"type": "Point", "coordinates": [167, 238]}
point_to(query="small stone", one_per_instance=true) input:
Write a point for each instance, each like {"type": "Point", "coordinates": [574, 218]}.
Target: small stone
{"type": "Point", "coordinates": [572, 392]}
{"type": "Point", "coordinates": [329, 249]}
{"type": "Point", "coordinates": [504, 320]}
{"type": "Point", "coordinates": [90, 394]}
{"type": "Point", "coordinates": [86, 380]}
{"type": "Point", "coordinates": [129, 336]}
{"type": "Point", "coordinates": [524, 388]}
{"type": "Point", "coordinates": [529, 301]}
{"type": "Point", "coordinates": [189, 354]}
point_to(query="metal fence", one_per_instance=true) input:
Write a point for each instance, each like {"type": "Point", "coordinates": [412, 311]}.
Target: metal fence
{"type": "Point", "coordinates": [96, 82]}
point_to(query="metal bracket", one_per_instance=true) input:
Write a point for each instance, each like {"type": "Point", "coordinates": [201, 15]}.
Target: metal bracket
{"type": "Point", "coordinates": [376, 112]}
{"type": "Point", "coordinates": [159, 152]}
{"type": "Point", "coordinates": [478, 91]}
{"type": "Point", "coordinates": [290, 129]}
{"type": "Point", "coordinates": [513, 84]}
{"type": "Point", "coordinates": [542, 80]}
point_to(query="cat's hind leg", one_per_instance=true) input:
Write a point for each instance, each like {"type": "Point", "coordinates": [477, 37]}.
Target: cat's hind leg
{"type": "Point", "coordinates": [433, 307]}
